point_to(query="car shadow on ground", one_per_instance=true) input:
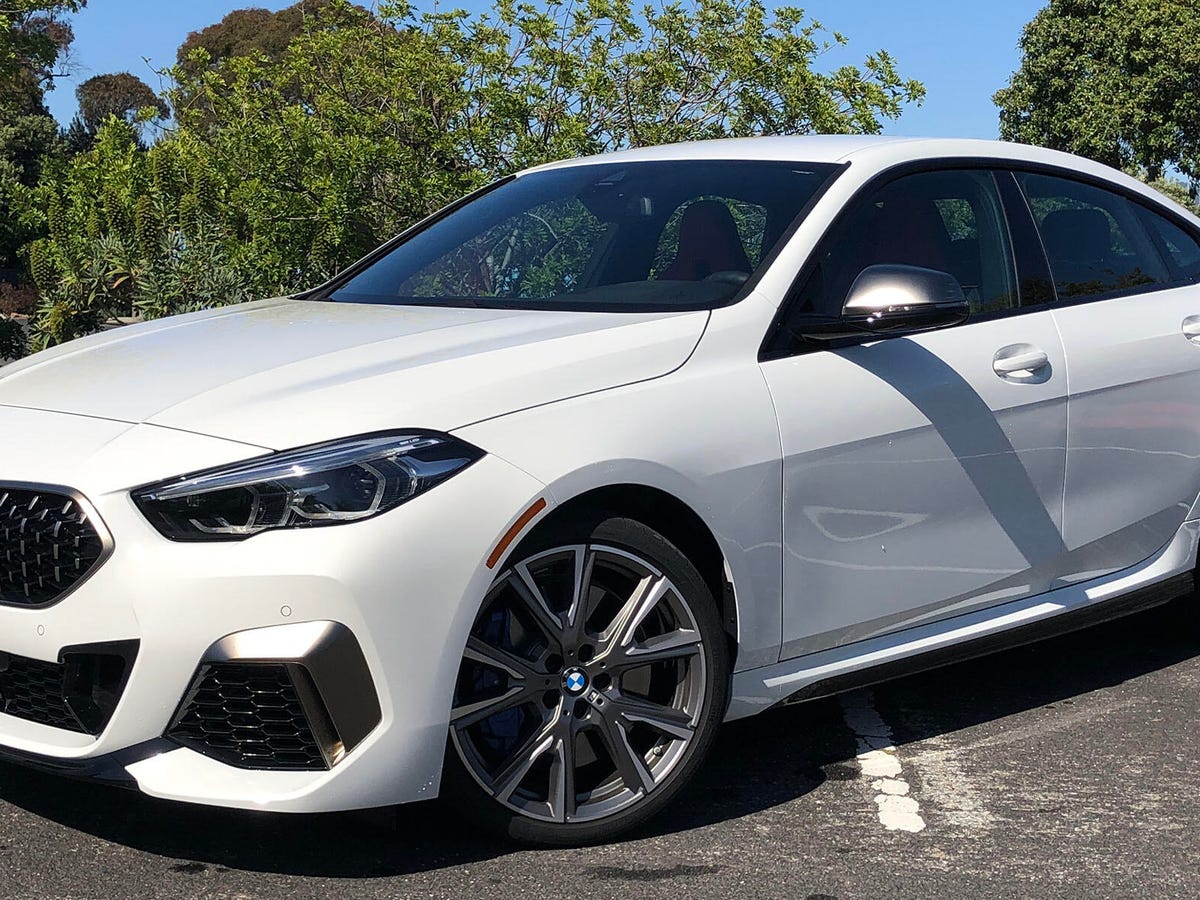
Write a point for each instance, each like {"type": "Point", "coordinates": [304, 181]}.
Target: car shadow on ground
{"type": "Point", "coordinates": [759, 763]}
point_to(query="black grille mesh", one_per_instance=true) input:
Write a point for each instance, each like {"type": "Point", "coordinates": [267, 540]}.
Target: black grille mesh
{"type": "Point", "coordinates": [34, 690]}
{"type": "Point", "coordinates": [47, 545]}
{"type": "Point", "coordinates": [78, 694]}
{"type": "Point", "coordinates": [247, 715]}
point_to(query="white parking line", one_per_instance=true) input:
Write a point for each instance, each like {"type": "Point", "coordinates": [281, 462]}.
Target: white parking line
{"type": "Point", "coordinates": [879, 761]}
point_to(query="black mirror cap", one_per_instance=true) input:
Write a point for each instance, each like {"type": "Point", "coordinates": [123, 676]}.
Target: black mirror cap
{"type": "Point", "coordinates": [890, 300]}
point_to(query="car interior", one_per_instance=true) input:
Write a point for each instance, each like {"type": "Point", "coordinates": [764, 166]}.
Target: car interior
{"type": "Point", "coordinates": [635, 237]}
{"type": "Point", "coordinates": [1093, 239]}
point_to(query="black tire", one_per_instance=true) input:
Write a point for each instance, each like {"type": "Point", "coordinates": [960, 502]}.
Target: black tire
{"type": "Point", "coordinates": [600, 534]}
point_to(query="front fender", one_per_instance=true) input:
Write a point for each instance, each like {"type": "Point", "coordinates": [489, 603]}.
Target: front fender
{"type": "Point", "coordinates": [706, 437]}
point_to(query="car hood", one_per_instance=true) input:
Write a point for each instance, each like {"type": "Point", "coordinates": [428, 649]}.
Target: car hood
{"type": "Point", "coordinates": [284, 373]}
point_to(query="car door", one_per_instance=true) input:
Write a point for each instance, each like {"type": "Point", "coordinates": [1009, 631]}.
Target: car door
{"type": "Point", "coordinates": [1129, 315]}
{"type": "Point", "coordinates": [922, 475]}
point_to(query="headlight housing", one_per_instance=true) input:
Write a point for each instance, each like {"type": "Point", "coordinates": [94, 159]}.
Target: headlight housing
{"type": "Point", "coordinates": [325, 484]}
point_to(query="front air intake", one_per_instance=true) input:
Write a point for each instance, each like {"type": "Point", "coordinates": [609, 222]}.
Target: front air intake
{"type": "Point", "coordinates": [297, 696]}
{"type": "Point", "coordinates": [253, 715]}
{"type": "Point", "coordinates": [78, 693]}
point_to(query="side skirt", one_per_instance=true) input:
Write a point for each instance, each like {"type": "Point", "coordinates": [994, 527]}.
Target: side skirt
{"type": "Point", "coordinates": [1068, 622]}
{"type": "Point", "coordinates": [1164, 577]}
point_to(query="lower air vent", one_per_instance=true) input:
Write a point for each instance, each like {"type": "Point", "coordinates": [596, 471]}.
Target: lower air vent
{"type": "Point", "coordinates": [78, 694]}
{"type": "Point", "coordinates": [252, 715]}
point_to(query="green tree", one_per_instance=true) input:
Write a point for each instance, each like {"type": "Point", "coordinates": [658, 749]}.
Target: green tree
{"type": "Point", "coordinates": [119, 94]}
{"type": "Point", "coordinates": [565, 79]}
{"type": "Point", "coordinates": [258, 33]}
{"type": "Point", "coordinates": [32, 38]}
{"type": "Point", "coordinates": [284, 165]}
{"type": "Point", "coordinates": [26, 141]}
{"type": "Point", "coordinates": [252, 32]}
{"type": "Point", "coordinates": [317, 157]}
{"type": "Point", "coordinates": [131, 231]}
{"type": "Point", "coordinates": [1114, 80]}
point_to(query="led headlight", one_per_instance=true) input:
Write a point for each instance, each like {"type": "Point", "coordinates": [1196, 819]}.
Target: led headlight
{"type": "Point", "coordinates": [326, 484]}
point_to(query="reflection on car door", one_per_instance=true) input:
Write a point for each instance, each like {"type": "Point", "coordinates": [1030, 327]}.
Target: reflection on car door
{"type": "Point", "coordinates": [1129, 317]}
{"type": "Point", "coordinates": [922, 476]}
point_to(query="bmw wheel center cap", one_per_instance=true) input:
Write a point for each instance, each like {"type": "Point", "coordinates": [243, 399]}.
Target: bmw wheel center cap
{"type": "Point", "coordinates": [574, 681]}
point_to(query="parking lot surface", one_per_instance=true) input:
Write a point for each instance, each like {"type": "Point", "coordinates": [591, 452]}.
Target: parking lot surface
{"type": "Point", "coordinates": [1063, 769]}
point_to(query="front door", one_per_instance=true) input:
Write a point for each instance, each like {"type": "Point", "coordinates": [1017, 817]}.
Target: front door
{"type": "Point", "coordinates": [922, 476]}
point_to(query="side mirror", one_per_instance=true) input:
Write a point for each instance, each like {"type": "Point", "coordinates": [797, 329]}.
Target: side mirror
{"type": "Point", "coordinates": [893, 300]}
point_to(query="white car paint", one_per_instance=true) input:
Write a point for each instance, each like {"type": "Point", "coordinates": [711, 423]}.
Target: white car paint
{"type": "Point", "coordinates": [275, 360]}
{"type": "Point", "coordinates": [793, 464]}
{"type": "Point", "coordinates": [936, 489]}
{"type": "Point", "coordinates": [1134, 441]}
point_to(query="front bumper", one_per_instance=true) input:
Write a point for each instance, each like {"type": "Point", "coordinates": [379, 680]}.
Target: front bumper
{"type": "Point", "coordinates": [405, 585]}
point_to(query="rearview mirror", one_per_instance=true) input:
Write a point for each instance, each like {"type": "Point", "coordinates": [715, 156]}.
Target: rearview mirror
{"type": "Point", "coordinates": [892, 300]}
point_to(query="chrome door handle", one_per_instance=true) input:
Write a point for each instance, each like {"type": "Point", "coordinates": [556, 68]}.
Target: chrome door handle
{"type": "Point", "coordinates": [1191, 329]}
{"type": "Point", "coordinates": [1020, 361]}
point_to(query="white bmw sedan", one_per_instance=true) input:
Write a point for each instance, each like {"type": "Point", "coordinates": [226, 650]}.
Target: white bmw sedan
{"type": "Point", "coordinates": [523, 505]}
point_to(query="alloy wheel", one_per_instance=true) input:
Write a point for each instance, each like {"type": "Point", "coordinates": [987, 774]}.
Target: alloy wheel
{"type": "Point", "coordinates": [581, 686]}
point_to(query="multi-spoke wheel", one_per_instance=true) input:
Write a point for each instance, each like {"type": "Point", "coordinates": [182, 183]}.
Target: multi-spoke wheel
{"type": "Point", "coordinates": [592, 681]}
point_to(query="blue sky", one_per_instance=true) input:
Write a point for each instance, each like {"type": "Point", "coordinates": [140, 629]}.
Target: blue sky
{"type": "Point", "coordinates": [964, 50]}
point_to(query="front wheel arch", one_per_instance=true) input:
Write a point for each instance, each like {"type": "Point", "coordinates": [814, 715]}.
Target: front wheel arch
{"type": "Point", "coordinates": [669, 516]}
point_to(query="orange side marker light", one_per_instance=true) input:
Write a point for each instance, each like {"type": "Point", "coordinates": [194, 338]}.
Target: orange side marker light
{"type": "Point", "coordinates": [511, 535]}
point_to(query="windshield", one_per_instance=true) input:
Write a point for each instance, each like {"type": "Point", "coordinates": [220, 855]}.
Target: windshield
{"type": "Point", "coordinates": [635, 237]}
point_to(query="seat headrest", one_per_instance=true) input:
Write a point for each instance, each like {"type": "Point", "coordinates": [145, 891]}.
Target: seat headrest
{"type": "Point", "coordinates": [911, 231]}
{"type": "Point", "coordinates": [1077, 235]}
{"type": "Point", "coordinates": [708, 242]}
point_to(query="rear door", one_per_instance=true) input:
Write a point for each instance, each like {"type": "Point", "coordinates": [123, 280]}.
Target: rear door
{"type": "Point", "coordinates": [1129, 314]}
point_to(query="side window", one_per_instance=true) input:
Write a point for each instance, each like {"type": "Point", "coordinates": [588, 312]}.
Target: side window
{"type": "Point", "coordinates": [710, 234]}
{"type": "Point", "coordinates": [949, 221]}
{"type": "Point", "coordinates": [1093, 238]}
{"type": "Point", "coordinates": [1181, 249]}
{"type": "Point", "coordinates": [544, 252]}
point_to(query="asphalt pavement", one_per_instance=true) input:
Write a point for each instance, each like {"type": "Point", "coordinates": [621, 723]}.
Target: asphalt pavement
{"type": "Point", "coordinates": [1063, 769]}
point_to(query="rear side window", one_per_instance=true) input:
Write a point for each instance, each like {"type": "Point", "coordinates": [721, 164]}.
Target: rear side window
{"type": "Point", "coordinates": [1178, 246]}
{"type": "Point", "coordinates": [1094, 239]}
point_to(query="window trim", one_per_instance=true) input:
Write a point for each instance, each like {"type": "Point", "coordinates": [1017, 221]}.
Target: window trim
{"type": "Point", "coordinates": [1033, 265]}
{"type": "Point", "coordinates": [780, 342]}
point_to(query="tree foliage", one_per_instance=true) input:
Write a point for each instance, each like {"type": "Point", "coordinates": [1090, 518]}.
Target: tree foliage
{"type": "Point", "coordinates": [32, 37]}
{"type": "Point", "coordinates": [598, 76]}
{"type": "Point", "coordinates": [26, 141]}
{"type": "Point", "coordinates": [248, 32]}
{"type": "Point", "coordinates": [288, 160]}
{"type": "Point", "coordinates": [119, 94]}
{"type": "Point", "coordinates": [130, 231]}
{"type": "Point", "coordinates": [1114, 80]}
{"type": "Point", "coordinates": [1172, 189]}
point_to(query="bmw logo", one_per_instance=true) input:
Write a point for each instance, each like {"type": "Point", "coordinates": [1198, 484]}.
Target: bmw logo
{"type": "Point", "coordinates": [574, 681]}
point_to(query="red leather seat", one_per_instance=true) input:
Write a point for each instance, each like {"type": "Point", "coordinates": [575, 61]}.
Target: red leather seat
{"type": "Point", "coordinates": [708, 243]}
{"type": "Point", "coordinates": [909, 231]}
